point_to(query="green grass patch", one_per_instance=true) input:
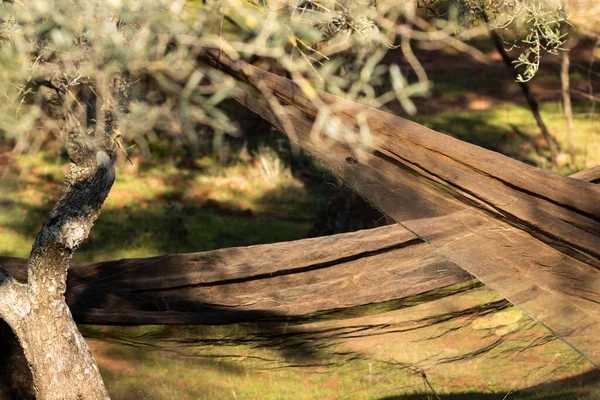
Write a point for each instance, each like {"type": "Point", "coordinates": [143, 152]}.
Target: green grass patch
{"type": "Point", "coordinates": [512, 130]}
{"type": "Point", "coordinates": [165, 209]}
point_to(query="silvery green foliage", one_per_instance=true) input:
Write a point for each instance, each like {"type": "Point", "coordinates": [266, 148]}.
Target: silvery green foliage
{"type": "Point", "coordinates": [543, 33]}
{"type": "Point", "coordinates": [534, 26]}
{"type": "Point", "coordinates": [73, 47]}
{"type": "Point", "coordinates": [69, 52]}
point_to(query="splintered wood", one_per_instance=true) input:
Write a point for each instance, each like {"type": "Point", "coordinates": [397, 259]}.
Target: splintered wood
{"type": "Point", "coordinates": [275, 281]}
{"type": "Point", "coordinates": [463, 212]}
{"type": "Point", "coordinates": [531, 235]}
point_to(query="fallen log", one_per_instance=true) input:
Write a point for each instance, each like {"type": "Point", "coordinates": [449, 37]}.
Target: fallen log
{"type": "Point", "coordinates": [351, 294]}
{"type": "Point", "coordinates": [552, 278]}
{"type": "Point", "coordinates": [274, 281]}
{"type": "Point", "coordinates": [531, 235]}
{"type": "Point", "coordinates": [337, 282]}
{"type": "Point", "coordinates": [589, 175]}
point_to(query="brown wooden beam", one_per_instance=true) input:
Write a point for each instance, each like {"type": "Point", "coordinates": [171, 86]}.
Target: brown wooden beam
{"type": "Point", "coordinates": [531, 235]}
{"type": "Point", "coordinates": [590, 175]}
{"type": "Point", "coordinates": [281, 280]}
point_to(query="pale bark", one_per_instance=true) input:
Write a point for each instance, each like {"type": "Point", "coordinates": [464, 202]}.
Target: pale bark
{"type": "Point", "coordinates": [566, 95]}
{"type": "Point", "coordinates": [60, 361]}
{"type": "Point", "coordinates": [61, 364]}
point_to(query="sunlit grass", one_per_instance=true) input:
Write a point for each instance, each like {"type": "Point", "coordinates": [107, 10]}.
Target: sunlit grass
{"type": "Point", "coordinates": [164, 209]}
{"type": "Point", "coordinates": [212, 362]}
{"type": "Point", "coordinates": [161, 208]}
{"type": "Point", "coordinates": [512, 130]}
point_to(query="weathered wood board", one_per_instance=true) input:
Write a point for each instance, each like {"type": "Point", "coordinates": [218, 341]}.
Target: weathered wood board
{"type": "Point", "coordinates": [275, 281]}
{"type": "Point", "coordinates": [589, 175]}
{"type": "Point", "coordinates": [529, 234]}
{"type": "Point", "coordinates": [400, 307]}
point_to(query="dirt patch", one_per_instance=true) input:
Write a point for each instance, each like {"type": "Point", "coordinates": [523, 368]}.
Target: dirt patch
{"type": "Point", "coordinates": [485, 86]}
{"type": "Point", "coordinates": [99, 350]}
{"type": "Point", "coordinates": [333, 382]}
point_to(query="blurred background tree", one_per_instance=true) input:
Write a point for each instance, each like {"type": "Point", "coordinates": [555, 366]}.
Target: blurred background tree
{"type": "Point", "coordinates": [126, 72]}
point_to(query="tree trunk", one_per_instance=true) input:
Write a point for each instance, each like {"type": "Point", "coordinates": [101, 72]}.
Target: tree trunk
{"type": "Point", "coordinates": [566, 95]}
{"type": "Point", "coordinates": [529, 97]}
{"type": "Point", "coordinates": [61, 364]}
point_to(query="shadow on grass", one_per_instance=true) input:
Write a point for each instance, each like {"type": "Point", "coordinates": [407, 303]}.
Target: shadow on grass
{"type": "Point", "coordinates": [581, 386]}
{"type": "Point", "coordinates": [299, 342]}
{"type": "Point", "coordinates": [171, 222]}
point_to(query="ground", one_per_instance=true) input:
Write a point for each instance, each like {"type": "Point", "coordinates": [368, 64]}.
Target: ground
{"type": "Point", "coordinates": [266, 196]}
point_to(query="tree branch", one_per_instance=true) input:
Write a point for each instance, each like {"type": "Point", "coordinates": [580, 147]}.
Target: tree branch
{"type": "Point", "coordinates": [87, 184]}
{"type": "Point", "coordinates": [529, 97]}
{"type": "Point", "coordinates": [14, 302]}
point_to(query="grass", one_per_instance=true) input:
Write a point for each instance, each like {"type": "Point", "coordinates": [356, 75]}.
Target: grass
{"type": "Point", "coordinates": [383, 358]}
{"type": "Point", "coordinates": [511, 130]}
{"type": "Point", "coordinates": [161, 208]}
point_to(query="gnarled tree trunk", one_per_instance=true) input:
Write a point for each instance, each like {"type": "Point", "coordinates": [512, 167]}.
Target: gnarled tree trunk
{"type": "Point", "coordinates": [62, 366]}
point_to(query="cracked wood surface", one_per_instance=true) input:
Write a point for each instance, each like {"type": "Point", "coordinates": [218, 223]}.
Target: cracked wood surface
{"type": "Point", "coordinates": [528, 234]}
{"type": "Point", "coordinates": [531, 235]}
{"type": "Point", "coordinates": [288, 279]}
{"type": "Point", "coordinates": [277, 281]}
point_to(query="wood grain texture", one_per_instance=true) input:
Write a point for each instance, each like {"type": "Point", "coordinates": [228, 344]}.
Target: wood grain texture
{"type": "Point", "coordinates": [531, 235]}
{"type": "Point", "coordinates": [275, 281]}
{"type": "Point", "coordinates": [590, 175]}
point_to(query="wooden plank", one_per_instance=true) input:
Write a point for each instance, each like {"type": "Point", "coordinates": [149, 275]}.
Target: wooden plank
{"type": "Point", "coordinates": [559, 207]}
{"type": "Point", "coordinates": [590, 175]}
{"type": "Point", "coordinates": [275, 281]}
{"type": "Point", "coordinates": [529, 234]}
